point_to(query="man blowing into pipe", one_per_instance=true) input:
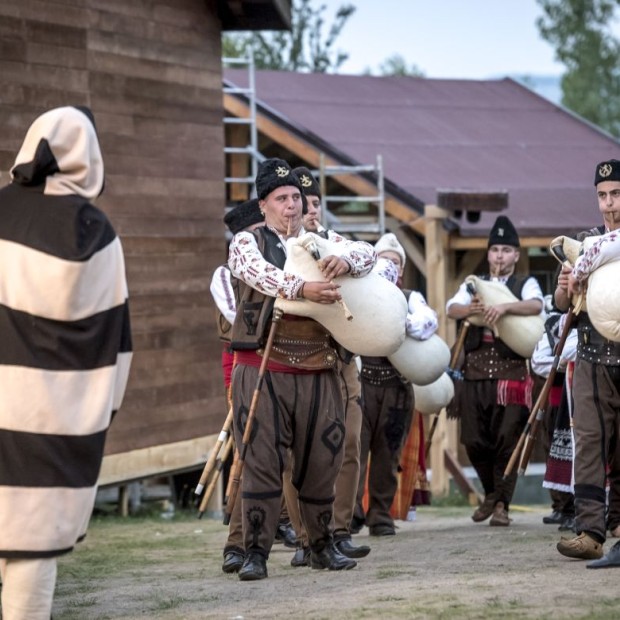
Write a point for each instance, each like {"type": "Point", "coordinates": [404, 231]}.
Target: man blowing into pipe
{"type": "Point", "coordinates": [300, 405]}
{"type": "Point", "coordinates": [496, 391]}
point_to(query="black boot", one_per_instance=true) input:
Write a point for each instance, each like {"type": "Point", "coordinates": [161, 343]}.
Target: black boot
{"type": "Point", "coordinates": [554, 518]}
{"type": "Point", "coordinates": [286, 534]}
{"type": "Point", "coordinates": [329, 557]}
{"type": "Point", "coordinates": [233, 560]}
{"type": "Point", "coordinates": [357, 523]}
{"type": "Point", "coordinates": [349, 550]}
{"type": "Point", "coordinates": [301, 557]}
{"type": "Point", "coordinates": [254, 567]}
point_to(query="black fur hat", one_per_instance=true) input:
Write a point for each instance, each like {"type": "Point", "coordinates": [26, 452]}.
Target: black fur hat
{"type": "Point", "coordinates": [309, 184]}
{"type": "Point", "coordinates": [503, 233]}
{"type": "Point", "coordinates": [274, 173]}
{"type": "Point", "coordinates": [243, 215]}
{"type": "Point", "coordinates": [607, 171]}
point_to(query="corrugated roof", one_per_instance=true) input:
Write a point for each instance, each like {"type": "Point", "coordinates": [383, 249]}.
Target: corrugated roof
{"type": "Point", "coordinates": [478, 135]}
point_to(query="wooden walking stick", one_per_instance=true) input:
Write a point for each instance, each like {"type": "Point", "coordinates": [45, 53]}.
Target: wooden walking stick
{"type": "Point", "coordinates": [219, 465]}
{"type": "Point", "coordinates": [212, 460]}
{"type": "Point", "coordinates": [519, 451]}
{"type": "Point", "coordinates": [528, 444]}
{"type": "Point", "coordinates": [238, 468]}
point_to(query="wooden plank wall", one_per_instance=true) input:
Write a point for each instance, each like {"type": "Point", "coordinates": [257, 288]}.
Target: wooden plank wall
{"type": "Point", "coordinates": [151, 72]}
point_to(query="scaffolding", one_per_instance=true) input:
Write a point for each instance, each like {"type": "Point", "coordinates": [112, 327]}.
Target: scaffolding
{"type": "Point", "coordinates": [372, 224]}
{"type": "Point", "coordinates": [244, 157]}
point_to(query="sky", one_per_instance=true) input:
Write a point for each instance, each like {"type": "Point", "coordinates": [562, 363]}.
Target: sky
{"type": "Point", "coordinates": [471, 39]}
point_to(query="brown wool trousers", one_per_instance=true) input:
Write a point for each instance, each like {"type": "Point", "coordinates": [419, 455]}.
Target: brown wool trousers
{"type": "Point", "coordinates": [302, 413]}
{"type": "Point", "coordinates": [387, 415]}
{"type": "Point", "coordinates": [596, 420]}
{"type": "Point", "coordinates": [348, 476]}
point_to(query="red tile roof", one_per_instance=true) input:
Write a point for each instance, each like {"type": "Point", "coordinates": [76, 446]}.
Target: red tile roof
{"type": "Point", "coordinates": [478, 135]}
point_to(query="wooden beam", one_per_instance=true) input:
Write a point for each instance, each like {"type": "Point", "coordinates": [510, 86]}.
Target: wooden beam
{"type": "Point", "coordinates": [155, 460]}
{"type": "Point", "coordinates": [436, 272]}
{"type": "Point", "coordinates": [468, 200]}
{"type": "Point", "coordinates": [480, 243]}
{"type": "Point", "coordinates": [239, 162]}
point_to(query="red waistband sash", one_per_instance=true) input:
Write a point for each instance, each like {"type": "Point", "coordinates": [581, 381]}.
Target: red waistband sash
{"type": "Point", "coordinates": [251, 358]}
{"type": "Point", "coordinates": [515, 392]}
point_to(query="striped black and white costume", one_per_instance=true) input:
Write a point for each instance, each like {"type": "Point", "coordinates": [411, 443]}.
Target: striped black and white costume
{"type": "Point", "coordinates": [66, 344]}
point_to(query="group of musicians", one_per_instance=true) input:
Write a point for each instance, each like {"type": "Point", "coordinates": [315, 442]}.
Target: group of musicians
{"type": "Point", "coordinates": [286, 380]}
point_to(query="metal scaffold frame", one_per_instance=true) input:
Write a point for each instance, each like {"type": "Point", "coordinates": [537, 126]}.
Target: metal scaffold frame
{"type": "Point", "coordinates": [376, 227]}
{"type": "Point", "coordinates": [251, 149]}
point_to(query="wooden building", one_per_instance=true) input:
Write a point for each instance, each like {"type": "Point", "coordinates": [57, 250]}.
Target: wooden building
{"type": "Point", "coordinates": [151, 72]}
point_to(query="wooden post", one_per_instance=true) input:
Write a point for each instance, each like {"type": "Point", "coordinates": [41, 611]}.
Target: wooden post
{"type": "Point", "coordinates": [437, 280]}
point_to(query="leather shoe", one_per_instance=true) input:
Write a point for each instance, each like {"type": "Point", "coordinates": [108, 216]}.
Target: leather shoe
{"type": "Point", "coordinates": [286, 535]}
{"type": "Point", "coordinates": [254, 568]}
{"type": "Point", "coordinates": [329, 557]}
{"type": "Point", "coordinates": [582, 547]}
{"type": "Point", "coordinates": [485, 510]}
{"type": "Point", "coordinates": [348, 549]}
{"type": "Point", "coordinates": [607, 561]}
{"type": "Point", "coordinates": [301, 557]}
{"type": "Point", "coordinates": [233, 561]}
{"type": "Point", "coordinates": [500, 516]}
{"type": "Point", "coordinates": [555, 518]}
{"type": "Point", "coordinates": [382, 529]}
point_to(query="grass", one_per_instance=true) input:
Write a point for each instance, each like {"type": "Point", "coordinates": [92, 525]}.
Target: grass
{"type": "Point", "coordinates": [438, 568]}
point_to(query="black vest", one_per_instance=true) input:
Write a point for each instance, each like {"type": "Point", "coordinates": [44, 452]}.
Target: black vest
{"type": "Point", "coordinates": [249, 330]}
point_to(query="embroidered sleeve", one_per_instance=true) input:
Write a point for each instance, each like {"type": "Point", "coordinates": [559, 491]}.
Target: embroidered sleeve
{"type": "Point", "coordinates": [421, 318]}
{"type": "Point", "coordinates": [360, 256]}
{"type": "Point", "coordinates": [386, 269]}
{"type": "Point", "coordinates": [222, 293]}
{"type": "Point", "coordinates": [248, 264]}
{"type": "Point", "coordinates": [604, 250]}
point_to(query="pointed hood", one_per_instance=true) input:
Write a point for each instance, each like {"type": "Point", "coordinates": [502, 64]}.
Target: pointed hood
{"type": "Point", "coordinates": [61, 153]}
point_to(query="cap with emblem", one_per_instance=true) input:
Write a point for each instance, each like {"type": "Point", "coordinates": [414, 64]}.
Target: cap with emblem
{"type": "Point", "coordinates": [503, 233]}
{"type": "Point", "coordinates": [243, 216]}
{"type": "Point", "coordinates": [309, 184]}
{"type": "Point", "coordinates": [607, 171]}
{"type": "Point", "coordinates": [274, 173]}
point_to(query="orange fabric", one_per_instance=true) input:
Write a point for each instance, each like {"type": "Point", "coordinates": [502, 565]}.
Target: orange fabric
{"type": "Point", "coordinates": [409, 463]}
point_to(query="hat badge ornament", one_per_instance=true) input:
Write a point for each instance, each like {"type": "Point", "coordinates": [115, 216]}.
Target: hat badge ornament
{"type": "Point", "coordinates": [605, 170]}
{"type": "Point", "coordinates": [281, 171]}
{"type": "Point", "coordinates": [500, 232]}
{"type": "Point", "coordinates": [306, 181]}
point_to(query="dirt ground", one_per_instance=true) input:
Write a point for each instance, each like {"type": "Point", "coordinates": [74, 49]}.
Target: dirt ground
{"type": "Point", "coordinates": [440, 566]}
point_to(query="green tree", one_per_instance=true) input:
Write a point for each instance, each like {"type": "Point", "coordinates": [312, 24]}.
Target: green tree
{"type": "Point", "coordinates": [580, 31]}
{"type": "Point", "coordinates": [305, 48]}
{"type": "Point", "coordinates": [397, 65]}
